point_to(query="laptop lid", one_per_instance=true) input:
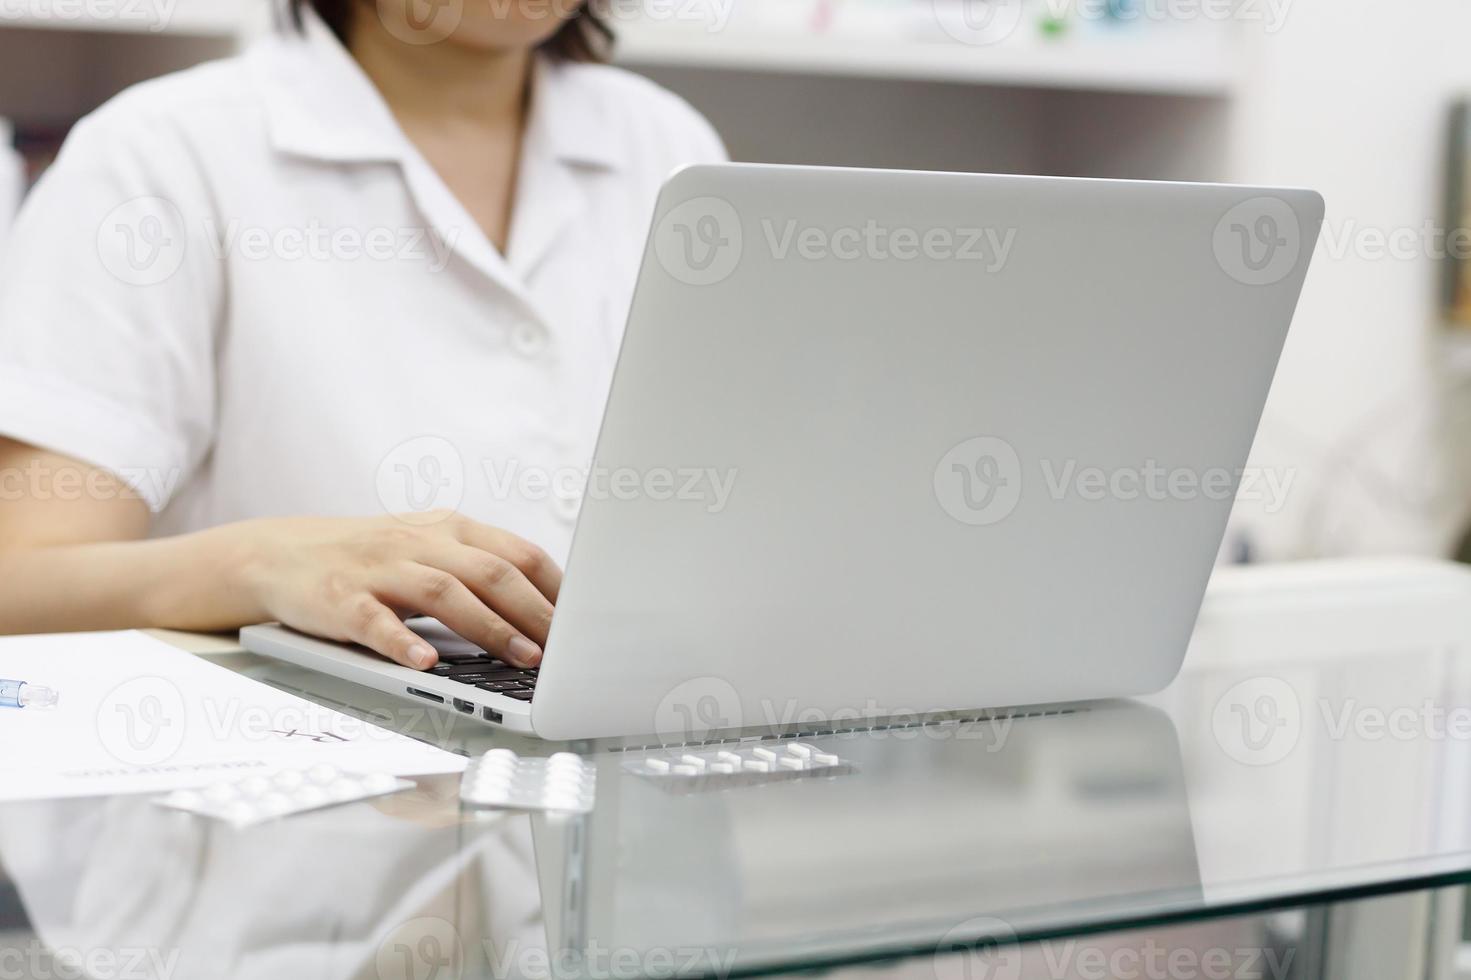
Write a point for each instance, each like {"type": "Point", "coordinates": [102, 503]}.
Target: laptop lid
{"type": "Point", "coordinates": [883, 442]}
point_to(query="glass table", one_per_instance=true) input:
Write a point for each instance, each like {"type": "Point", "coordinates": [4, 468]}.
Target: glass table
{"type": "Point", "coordinates": [1303, 786]}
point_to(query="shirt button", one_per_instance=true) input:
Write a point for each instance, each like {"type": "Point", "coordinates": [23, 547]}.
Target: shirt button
{"type": "Point", "coordinates": [528, 339]}
{"type": "Point", "coordinates": [567, 508]}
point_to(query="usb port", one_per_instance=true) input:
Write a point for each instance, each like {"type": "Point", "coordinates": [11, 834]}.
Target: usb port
{"type": "Point", "coordinates": [426, 695]}
{"type": "Point", "coordinates": [490, 714]}
{"type": "Point", "coordinates": [465, 706]}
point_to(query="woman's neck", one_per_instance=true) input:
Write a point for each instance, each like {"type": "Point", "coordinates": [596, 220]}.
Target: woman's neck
{"type": "Point", "coordinates": [442, 83]}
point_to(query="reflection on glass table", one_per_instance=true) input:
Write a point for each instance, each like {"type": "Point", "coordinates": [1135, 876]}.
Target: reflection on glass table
{"type": "Point", "coordinates": [1313, 752]}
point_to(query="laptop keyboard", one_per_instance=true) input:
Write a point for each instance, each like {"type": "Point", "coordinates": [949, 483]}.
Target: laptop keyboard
{"type": "Point", "coordinates": [481, 670]}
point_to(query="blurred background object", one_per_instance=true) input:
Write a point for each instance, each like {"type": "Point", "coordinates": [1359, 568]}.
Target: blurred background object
{"type": "Point", "coordinates": [12, 177]}
{"type": "Point", "coordinates": [1366, 428]}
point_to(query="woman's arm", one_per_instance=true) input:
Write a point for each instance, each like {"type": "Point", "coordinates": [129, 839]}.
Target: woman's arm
{"type": "Point", "coordinates": [73, 556]}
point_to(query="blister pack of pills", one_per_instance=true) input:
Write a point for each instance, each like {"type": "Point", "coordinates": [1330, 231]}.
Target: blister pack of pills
{"type": "Point", "coordinates": [254, 799]}
{"type": "Point", "coordinates": [500, 778]}
{"type": "Point", "coordinates": [736, 764]}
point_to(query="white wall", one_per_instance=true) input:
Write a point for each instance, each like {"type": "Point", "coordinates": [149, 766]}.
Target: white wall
{"type": "Point", "coordinates": [1350, 97]}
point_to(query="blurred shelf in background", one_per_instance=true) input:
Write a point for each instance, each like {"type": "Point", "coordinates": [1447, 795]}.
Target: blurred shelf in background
{"type": "Point", "coordinates": [1194, 63]}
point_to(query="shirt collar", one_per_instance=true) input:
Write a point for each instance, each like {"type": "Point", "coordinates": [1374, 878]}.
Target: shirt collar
{"type": "Point", "coordinates": [321, 105]}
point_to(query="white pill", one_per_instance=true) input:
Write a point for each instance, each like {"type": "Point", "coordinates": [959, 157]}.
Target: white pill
{"type": "Point", "coordinates": [323, 774]}
{"type": "Point", "coordinates": [825, 759]}
{"type": "Point", "coordinates": [693, 760]}
{"type": "Point", "coordinates": [566, 759]}
{"type": "Point", "coordinates": [791, 763]}
{"type": "Point", "coordinates": [309, 796]}
{"type": "Point", "coordinates": [499, 772]}
{"type": "Point", "coordinates": [240, 812]}
{"type": "Point", "coordinates": [800, 750]}
{"type": "Point", "coordinates": [722, 767]}
{"type": "Point", "coordinates": [490, 786]}
{"type": "Point", "coordinates": [219, 792]}
{"type": "Point", "coordinates": [762, 752]}
{"type": "Point", "coordinates": [730, 757]}
{"type": "Point", "coordinates": [289, 778]}
{"type": "Point", "coordinates": [684, 769]}
{"type": "Point", "coordinates": [253, 785]}
{"type": "Point", "coordinates": [505, 754]}
{"type": "Point", "coordinates": [656, 765]}
{"type": "Point", "coordinates": [186, 799]}
{"type": "Point", "coordinates": [276, 803]}
{"type": "Point", "coordinates": [379, 782]}
{"type": "Point", "coordinates": [756, 765]}
{"type": "Point", "coordinates": [344, 789]}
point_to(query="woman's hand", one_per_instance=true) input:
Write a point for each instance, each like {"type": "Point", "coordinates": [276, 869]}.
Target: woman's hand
{"type": "Point", "coordinates": [83, 561]}
{"type": "Point", "coordinates": [355, 578]}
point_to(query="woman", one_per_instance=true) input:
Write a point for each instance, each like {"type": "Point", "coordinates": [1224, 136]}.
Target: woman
{"type": "Point", "coordinates": [377, 263]}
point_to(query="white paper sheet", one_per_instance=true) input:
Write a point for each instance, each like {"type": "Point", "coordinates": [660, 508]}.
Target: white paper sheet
{"type": "Point", "coordinates": [139, 716]}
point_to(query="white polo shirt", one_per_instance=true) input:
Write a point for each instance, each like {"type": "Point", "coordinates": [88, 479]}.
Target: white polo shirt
{"type": "Point", "coordinates": [242, 288]}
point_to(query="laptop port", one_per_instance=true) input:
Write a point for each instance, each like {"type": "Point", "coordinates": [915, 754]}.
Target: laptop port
{"type": "Point", "coordinates": [426, 695]}
{"type": "Point", "coordinates": [490, 714]}
{"type": "Point", "coordinates": [464, 706]}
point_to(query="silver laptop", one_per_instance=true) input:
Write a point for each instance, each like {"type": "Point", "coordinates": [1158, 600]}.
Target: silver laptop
{"type": "Point", "coordinates": [895, 446]}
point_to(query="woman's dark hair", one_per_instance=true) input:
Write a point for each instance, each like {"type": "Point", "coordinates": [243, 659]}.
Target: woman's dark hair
{"type": "Point", "coordinates": [584, 37]}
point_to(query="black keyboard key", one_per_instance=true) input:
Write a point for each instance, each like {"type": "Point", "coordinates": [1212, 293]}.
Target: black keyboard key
{"type": "Point", "coordinates": [465, 657]}
{"type": "Point", "coordinates": [522, 694]}
{"type": "Point", "coordinates": [499, 686]}
{"type": "Point", "coordinates": [451, 670]}
{"type": "Point", "coordinates": [469, 678]}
